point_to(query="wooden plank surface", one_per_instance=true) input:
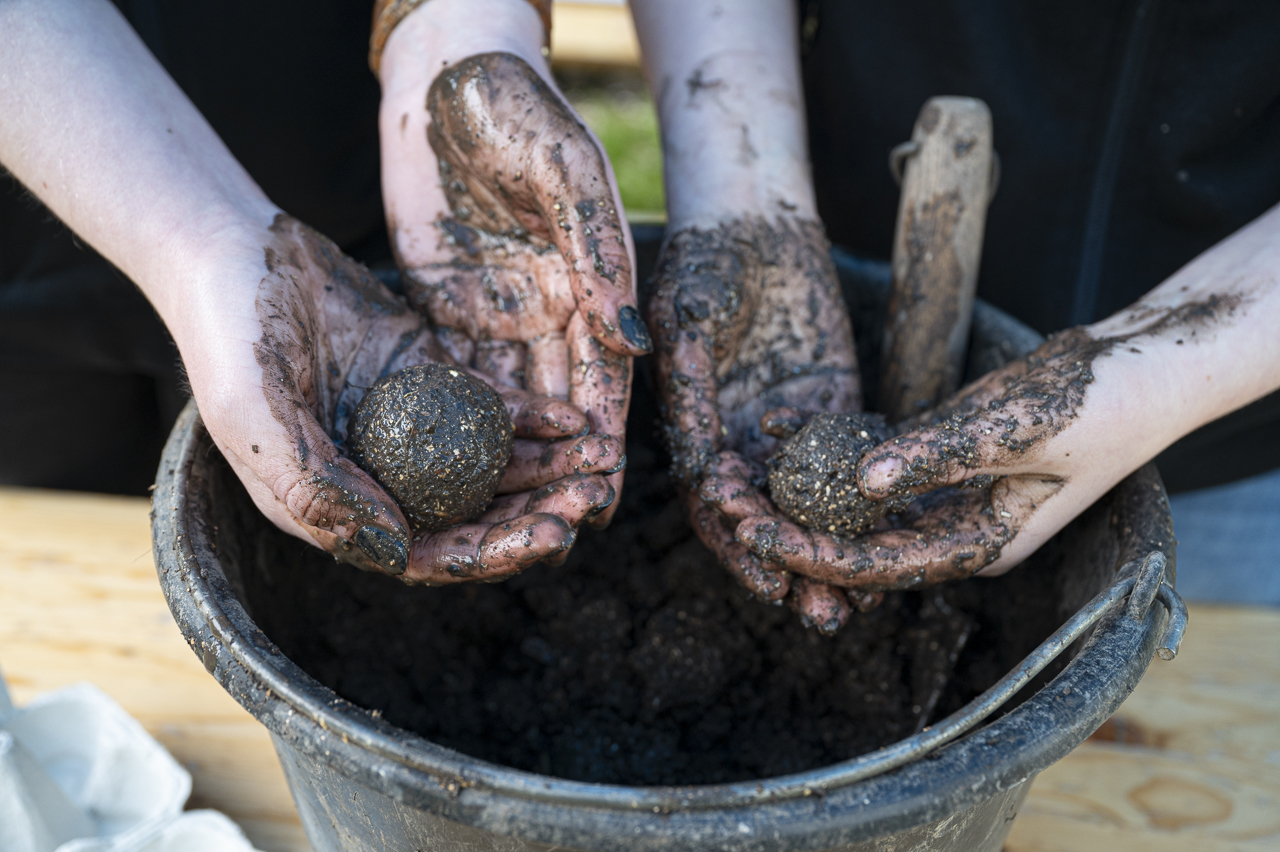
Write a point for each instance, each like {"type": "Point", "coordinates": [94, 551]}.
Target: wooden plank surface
{"type": "Point", "coordinates": [1190, 762]}
{"type": "Point", "coordinates": [79, 600]}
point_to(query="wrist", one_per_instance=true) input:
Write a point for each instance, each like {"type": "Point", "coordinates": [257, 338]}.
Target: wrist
{"type": "Point", "coordinates": [701, 193]}
{"type": "Point", "coordinates": [734, 141]}
{"type": "Point", "coordinates": [441, 32]}
{"type": "Point", "coordinates": [204, 260]}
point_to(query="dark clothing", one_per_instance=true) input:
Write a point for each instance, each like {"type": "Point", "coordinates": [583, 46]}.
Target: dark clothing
{"type": "Point", "coordinates": [1132, 134]}
{"type": "Point", "coordinates": [89, 383]}
{"type": "Point", "coordinates": [1132, 138]}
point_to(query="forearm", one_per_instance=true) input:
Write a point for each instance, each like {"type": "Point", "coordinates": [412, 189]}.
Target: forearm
{"type": "Point", "coordinates": [731, 107]}
{"type": "Point", "coordinates": [97, 130]}
{"type": "Point", "coordinates": [1205, 342]}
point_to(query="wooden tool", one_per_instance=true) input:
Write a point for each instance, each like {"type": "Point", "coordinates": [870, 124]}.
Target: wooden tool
{"type": "Point", "coordinates": [948, 173]}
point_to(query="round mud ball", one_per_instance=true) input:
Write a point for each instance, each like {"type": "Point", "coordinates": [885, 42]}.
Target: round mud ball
{"type": "Point", "coordinates": [437, 439]}
{"type": "Point", "coordinates": [813, 475]}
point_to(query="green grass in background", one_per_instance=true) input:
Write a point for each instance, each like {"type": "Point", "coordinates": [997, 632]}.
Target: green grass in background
{"type": "Point", "coordinates": [621, 113]}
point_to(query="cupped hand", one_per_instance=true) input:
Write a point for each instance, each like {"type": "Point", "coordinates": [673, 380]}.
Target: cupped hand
{"type": "Point", "coordinates": [280, 354]}
{"type": "Point", "coordinates": [507, 223]}
{"type": "Point", "coordinates": [1003, 466]}
{"type": "Point", "coordinates": [748, 317]}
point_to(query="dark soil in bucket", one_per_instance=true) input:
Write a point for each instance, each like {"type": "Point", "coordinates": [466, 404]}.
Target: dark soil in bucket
{"type": "Point", "coordinates": [638, 661]}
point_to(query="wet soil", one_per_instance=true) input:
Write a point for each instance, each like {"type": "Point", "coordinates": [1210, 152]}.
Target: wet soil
{"type": "Point", "coordinates": [437, 438]}
{"type": "Point", "coordinates": [639, 660]}
{"type": "Point", "coordinates": [813, 477]}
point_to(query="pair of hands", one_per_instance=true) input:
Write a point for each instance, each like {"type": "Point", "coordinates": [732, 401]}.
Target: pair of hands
{"type": "Point", "coordinates": [508, 230]}
{"type": "Point", "coordinates": [753, 337]}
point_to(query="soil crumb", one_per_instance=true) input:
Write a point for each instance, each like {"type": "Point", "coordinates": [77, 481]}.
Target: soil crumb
{"type": "Point", "coordinates": [813, 477]}
{"type": "Point", "coordinates": [437, 438]}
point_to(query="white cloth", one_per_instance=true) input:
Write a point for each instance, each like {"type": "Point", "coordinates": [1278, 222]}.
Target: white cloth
{"type": "Point", "coordinates": [79, 774]}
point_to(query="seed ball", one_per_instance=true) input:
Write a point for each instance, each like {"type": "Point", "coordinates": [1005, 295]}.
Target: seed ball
{"type": "Point", "coordinates": [813, 475]}
{"type": "Point", "coordinates": [437, 439]}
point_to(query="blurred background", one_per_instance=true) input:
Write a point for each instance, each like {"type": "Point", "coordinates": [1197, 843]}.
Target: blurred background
{"type": "Point", "coordinates": [596, 59]}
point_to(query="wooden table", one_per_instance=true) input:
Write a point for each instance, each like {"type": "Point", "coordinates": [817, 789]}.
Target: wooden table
{"type": "Point", "coordinates": [1190, 762]}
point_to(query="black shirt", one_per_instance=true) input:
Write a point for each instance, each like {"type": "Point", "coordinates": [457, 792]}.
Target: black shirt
{"type": "Point", "coordinates": [1133, 135]}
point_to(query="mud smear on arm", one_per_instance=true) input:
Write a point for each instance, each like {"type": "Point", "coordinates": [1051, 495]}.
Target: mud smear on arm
{"type": "Point", "coordinates": [964, 520]}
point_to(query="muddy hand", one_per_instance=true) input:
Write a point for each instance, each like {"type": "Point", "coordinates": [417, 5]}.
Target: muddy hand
{"type": "Point", "coordinates": [994, 467]}
{"type": "Point", "coordinates": [507, 223]}
{"type": "Point", "coordinates": [328, 331]}
{"type": "Point", "coordinates": [748, 317]}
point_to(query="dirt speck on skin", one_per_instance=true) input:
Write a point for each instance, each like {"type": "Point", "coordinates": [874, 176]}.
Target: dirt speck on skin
{"type": "Point", "coordinates": [813, 477]}
{"type": "Point", "coordinates": [437, 438]}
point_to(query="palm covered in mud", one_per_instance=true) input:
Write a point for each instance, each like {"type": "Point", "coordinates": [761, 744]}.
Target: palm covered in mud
{"type": "Point", "coordinates": [330, 330]}
{"type": "Point", "coordinates": [748, 317]}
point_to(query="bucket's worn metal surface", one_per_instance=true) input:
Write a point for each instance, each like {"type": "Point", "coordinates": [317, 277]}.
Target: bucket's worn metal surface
{"type": "Point", "coordinates": [362, 784]}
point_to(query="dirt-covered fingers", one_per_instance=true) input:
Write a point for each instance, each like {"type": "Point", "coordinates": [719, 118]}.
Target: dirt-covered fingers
{"type": "Point", "coordinates": [576, 498]}
{"type": "Point", "coordinates": [766, 583]}
{"type": "Point", "coordinates": [537, 463]}
{"type": "Point", "coordinates": [572, 181]}
{"type": "Point", "coordinates": [301, 483]}
{"type": "Point", "coordinates": [820, 606]}
{"type": "Point", "coordinates": [486, 553]}
{"type": "Point", "coordinates": [455, 343]}
{"type": "Point", "coordinates": [951, 452]}
{"type": "Point", "coordinates": [734, 497]}
{"type": "Point", "coordinates": [957, 535]}
{"type": "Point", "coordinates": [694, 431]}
{"type": "Point", "coordinates": [547, 366]}
{"type": "Point", "coordinates": [589, 231]}
{"type": "Point", "coordinates": [540, 416]}
{"type": "Point", "coordinates": [783, 422]}
{"type": "Point", "coordinates": [600, 385]}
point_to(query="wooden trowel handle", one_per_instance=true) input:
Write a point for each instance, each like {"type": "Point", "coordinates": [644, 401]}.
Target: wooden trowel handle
{"type": "Point", "coordinates": [946, 185]}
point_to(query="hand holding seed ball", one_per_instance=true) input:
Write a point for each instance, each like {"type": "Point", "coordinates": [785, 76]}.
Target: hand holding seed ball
{"type": "Point", "coordinates": [322, 332]}
{"type": "Point", "coordinates": [437, 439]}
{"type": "Point", "coordinates": [747, 317]}
{"type": "Point", "coordinates": [508, 226]}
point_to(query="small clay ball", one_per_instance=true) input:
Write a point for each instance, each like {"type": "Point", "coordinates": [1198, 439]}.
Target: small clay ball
{"type": "Point", "coordinates": [813, 475]}
{"type": "Point", "coordinates": [437, 439]}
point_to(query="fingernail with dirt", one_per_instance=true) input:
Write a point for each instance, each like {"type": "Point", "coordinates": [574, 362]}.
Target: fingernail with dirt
{"type": "Point", "coordinates": [879, 475]}
{"type": "Point", "coordinates": [633, 328]}
{"type": "Point", "coordinates": [389, 551]}
{"type": "Point", "coordinates": [604, 503]}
